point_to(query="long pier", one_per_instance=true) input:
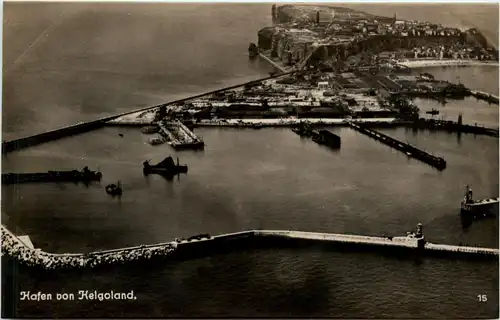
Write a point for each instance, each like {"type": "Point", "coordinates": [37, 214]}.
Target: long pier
{"type": "Point", "coordinates": [81, 127]}
{"type": "Point", "coordinates": [412, 245]}
{"type": "Point", "coordinates": [409, 150]}
{"type": "Point", "coordinates": [483, 202]}
{"type": "Point", "coordinates": [483, 207]}
{"type": "Point", "coordinates": [271, 62]}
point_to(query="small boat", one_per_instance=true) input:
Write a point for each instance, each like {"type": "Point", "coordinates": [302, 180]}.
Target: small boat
{"type": "Point", "coordinates": [433, 112]}
{"type": "Point", "coordinates": [150, 129]}
{"type": "Point", "coordinates": [121, 135]}
{"type": "Point", "coordinates": [114, 189]}
{"type": "Point", "coordinates": [156, 141]}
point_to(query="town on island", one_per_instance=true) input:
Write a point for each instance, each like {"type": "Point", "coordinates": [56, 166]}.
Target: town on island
{"type": "Point", "coordinates": [333, 66]}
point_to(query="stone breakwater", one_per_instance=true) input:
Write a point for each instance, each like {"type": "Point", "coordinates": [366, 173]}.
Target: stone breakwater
{"type": "Point", "coordinates": [411, 245]}
{"type": "Point", "coordinates": [13, 247]}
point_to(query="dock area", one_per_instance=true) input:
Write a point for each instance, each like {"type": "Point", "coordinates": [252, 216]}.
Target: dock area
{"type": "Point", "coordinates": [121, 119]}
{"type": "Point", "coordinates": [409, 150]}
{"type": "Point", "coordinates": [179, 136]}
{"type": "Point", "coordinates": [292, 121]}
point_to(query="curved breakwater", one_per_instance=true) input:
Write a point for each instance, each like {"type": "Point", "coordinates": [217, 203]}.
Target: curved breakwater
{"type": "Point", "coordinates": [407, 246]}
{"type": "Point", "coordinates": [13, 247]}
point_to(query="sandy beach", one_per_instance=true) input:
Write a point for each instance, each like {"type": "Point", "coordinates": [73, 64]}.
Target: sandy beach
{"type": "Point", "coordinates": [445, 63]}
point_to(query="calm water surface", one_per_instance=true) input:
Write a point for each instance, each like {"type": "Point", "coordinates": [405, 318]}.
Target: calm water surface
{"type": "Point", "coordinates": [95, 60]}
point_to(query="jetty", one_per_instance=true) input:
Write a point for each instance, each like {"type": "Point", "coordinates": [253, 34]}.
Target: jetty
{"type": "Point", "coordinates": [481, 95]}
{"type": "Point", "coordinates": [411, 242]}
{"type": "Point", "coordinates": [409, 150]}
{"type": "Point", "coordinates": [85, 175]}
{"type": "Point", "coordinates": [179, 136]}
{"type": "Point", "coordinates": [484, 207]}
{"type": "Point", "coordinates": [452, 126]}
{"type": "Point", "coordinates": [413, 245]}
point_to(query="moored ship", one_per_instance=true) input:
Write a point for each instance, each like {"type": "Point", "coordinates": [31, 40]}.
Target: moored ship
{"type": "Point", "coordinates": [156, 141]}
{"type": "Point", "coordinates": [85, 175]}
{"type": "Point", "coordinates": [166, 167]}
{"type": "Point", "coordinates": [433, 112]}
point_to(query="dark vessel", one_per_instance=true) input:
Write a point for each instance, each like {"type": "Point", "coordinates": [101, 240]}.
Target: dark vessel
{"type": "Point", "coordinates": [196, 145]}
{"type": "Point", "coordinates": [433, 112]}
{"type": "Point", "coordinates": [114, 189]}
{"type": "Point", "coordinates": [166, 167]}
{"type": "Point", "coordinates": [150, 129]}
{"type": "Point", "coordinates": [85, 175]}
{"type": "Point", "coordinates": [327, 138]}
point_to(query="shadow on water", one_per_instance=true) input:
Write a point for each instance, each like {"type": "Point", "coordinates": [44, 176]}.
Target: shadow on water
{"type": "Point", "coordinates": [329, 149]}
{"type": "Point", "coordinates": [59, 184]}
{"type": "Point", "coordinates": [167, 176]}
{"type": "Point", "coordinates": [415, 132]}
{"type": "Point", "coordinates": [467, 219]}
{"type": "Point", "coordinates": [116, 196]}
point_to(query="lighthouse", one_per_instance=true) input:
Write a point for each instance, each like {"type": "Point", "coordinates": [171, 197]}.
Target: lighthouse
{"type": "Point", "coordinates": [420, 237]}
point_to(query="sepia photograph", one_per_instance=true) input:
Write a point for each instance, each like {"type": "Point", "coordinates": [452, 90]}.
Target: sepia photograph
{"type": "Point", "coordinates": [250, 160]}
